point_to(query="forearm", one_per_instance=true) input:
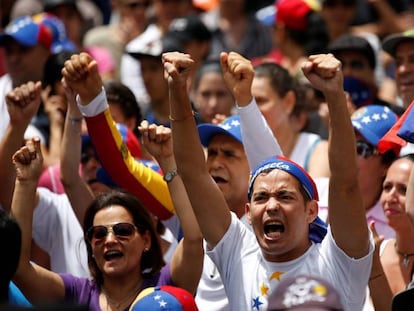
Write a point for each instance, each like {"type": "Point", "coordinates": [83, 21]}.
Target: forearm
{"type": "Point", "coordinates": [185, 135]}
{"type": "Point", "coordinates": [380, 291]}
{"type": "Point", "coordinates": [12, 141]}
{"type": "Point", "coordinates": [187, 265]}
{"type": "Point", "coordinates": [78, 192]}
{"type": "Point", "coordinates": [346, 212]}
{"type": "Point", "coordinates": [258, 140]}
{"type": "Point", "coordinates": [23, 204]}
{"type": "Point", "coordinates": [55, 139]}
{"type": "Point", "coordinates": [182, 205]}
{"type": "Point", "coordinates": [206, 199]}
{"type": "Point", "coordinates": [71, 149]}
{"type": "Point", "coordinates": [341, 140]}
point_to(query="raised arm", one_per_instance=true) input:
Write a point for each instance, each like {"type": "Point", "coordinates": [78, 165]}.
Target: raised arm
{"type": "Point", "coordinates": [55, 108]}
{"type": "Point", "coordinates": [22, 104]}
{"type": "Point", "coordinates": [346, 211]}
{"type": "Point", "coordinates": [82, 76]}
{"type": "Point", "coordinates": [38, 284]}
{"type": "Point", "coordinates": [207, 200]}
{"type": "Point", "coordinates": [258, 140]}
{"type": "Point", "coordinates": [187, 261]}
{"type": "Point", "coordinates": [79, 194]}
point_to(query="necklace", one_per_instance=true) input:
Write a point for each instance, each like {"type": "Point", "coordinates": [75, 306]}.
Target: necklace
{"type": "Point", "coordinates": [405, 256]}
{"type": "Point", "coordinates": [118, 304]}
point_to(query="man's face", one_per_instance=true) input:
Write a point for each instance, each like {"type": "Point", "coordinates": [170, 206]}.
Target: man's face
{"type": "Point", "coordinates": [404, 71]}
{"type": "Point", "coordinates": [355, 64]}
{"type": "Point", "coordinates": [153, 76]}
{"type": "Point", "coordinates": [279, 215]}
{"type": "Point", "coordinates": [227, 164]}
{"type": "Point", "coordinates": [23, 63]}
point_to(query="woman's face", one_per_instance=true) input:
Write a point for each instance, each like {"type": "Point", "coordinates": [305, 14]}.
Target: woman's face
{"type": "Point", "coordinates": [118, 253]}
{"type": "Point", "coordinates": [394, 190]}
{"type": "Point", "coordinates": [213, 97]}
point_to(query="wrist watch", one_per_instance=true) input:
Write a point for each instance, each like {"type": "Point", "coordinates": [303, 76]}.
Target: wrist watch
{"type": "Point", "coordinates": [170, 175]}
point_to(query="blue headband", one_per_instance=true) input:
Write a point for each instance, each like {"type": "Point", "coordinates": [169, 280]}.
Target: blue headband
{"type": "Point", "coordinates": [284, 164]}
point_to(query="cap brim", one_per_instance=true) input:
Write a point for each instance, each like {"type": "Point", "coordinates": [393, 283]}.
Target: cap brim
{"type": "Point", "coordinates": [207, 131]}
{"type": "Point", "coordinates": [142, 55]}
{"type": "Point", "coordinates": [26, 41]}
{"type": "Point", "coordinates": [390, 43]}
{"type": "Point", "coordinates": [368, 135]}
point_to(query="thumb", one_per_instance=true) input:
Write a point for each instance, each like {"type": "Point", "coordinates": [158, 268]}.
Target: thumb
{"type": "Point", "coordinates": [93, 67]}
{"type": "Point", "coordinates": [372, 228]}
{"type": "Point", "coordinates": [223, 61]}
{"type": "Point", "coordinates": [37, 149]}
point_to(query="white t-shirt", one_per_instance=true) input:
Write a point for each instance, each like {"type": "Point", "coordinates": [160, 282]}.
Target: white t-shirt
{"type": "Point", "coordinates": [249, 279]}
{"type": "Point", "coordinates": [5, 87]}
{"type": "Point", "coordinates": [57, 231]}
{"type": "Point", "coordinates": [211, 294]}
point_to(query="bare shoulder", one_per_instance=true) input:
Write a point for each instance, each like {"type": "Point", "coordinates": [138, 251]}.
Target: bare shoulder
{"type": "Point", "coordinates": [318, 161]}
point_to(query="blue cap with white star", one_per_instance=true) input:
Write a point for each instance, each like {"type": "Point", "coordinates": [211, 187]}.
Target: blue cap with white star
{"type": "Point", "coordinates": [373, 122]}
{"type": "Point", "coordinates": [164, 298]}
{"type": "Point", "coordinates": [230, 127]}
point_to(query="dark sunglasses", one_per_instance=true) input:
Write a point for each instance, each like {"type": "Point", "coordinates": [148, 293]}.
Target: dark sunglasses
{"type": "Point", "coordinates": [333, 3]}
{"type": "Point", "coordinates": [121, 230]}
{"type": "Point", "coordinates": [365, 150]}
{"type": "Point", "coordinates": [354, 64]}
{"type": "Point", "coordinates": [137, 5]}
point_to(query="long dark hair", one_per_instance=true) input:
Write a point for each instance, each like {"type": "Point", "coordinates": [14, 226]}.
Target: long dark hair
{"type": "Point", "coordinates": [152, 260]}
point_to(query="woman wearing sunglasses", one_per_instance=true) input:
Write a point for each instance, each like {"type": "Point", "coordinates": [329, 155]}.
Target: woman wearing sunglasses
{"type": "Point", "coordinates": [124, 253]}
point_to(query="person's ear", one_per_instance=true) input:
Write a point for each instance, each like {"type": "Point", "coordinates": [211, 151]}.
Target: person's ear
{"type": "Point", "coordinates": [312, 210]}
{"type": "Point", "coordinates": [289, 101]}
{"type": "Point", "coordinates": [247, 212]}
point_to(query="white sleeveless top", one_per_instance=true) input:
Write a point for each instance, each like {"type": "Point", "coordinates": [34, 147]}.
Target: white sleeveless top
{"type": "Point", "coordinates": [304, 147]}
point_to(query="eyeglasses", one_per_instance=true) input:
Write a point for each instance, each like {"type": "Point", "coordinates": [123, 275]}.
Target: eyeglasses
{"type": "Point", "coordinates": [354, 64]}
{"type": "Point", "coordinates": [121, 230]}
{"type": "Point", "coordinates": [333, 3]}
{"type": "Point", "coordinates": [365, 150]}
{"type": "Point", "coordinates": [137, 5]}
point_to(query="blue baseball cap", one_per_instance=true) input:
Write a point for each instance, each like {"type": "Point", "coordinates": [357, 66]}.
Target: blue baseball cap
{"type": "Point", "coordinates": [230, 127]}
{"type": "Point", "coordinates": [164, 298]}
{"type": "Point", "coordinates": [373, 122]}
{"type": "Point", "coordinates": [42, 28]}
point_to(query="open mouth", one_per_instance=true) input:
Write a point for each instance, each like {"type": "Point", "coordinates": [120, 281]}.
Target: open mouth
{"type": "Point", "coordinates": [274, 229]}
{"type": "Point", "coordinates": [111, 255]}
{"type": "Point", "coordinates": [219, 180]}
